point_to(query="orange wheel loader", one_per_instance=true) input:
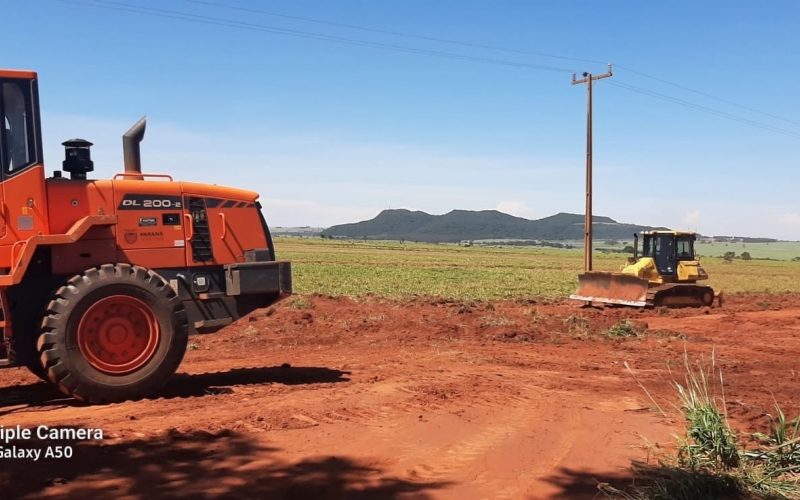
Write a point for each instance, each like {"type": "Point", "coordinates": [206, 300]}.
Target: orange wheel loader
{"type": "Point", "coordinates": [103, 281]}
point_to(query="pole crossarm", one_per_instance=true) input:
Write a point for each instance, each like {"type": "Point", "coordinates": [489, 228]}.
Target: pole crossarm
{"type": "Point", "coordinates": [589, 80]}
{"type": "Point", "coordinates": [588, 77]}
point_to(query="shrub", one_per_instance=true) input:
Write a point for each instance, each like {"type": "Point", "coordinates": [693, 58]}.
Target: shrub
{"type": "Point", "coordinates": [624, 328]}
{"type": "Point", "coordinates": [711, 461]}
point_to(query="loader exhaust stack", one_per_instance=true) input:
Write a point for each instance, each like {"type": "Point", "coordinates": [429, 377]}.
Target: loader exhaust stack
{"type": "Point", "coordinates": [130, 148]}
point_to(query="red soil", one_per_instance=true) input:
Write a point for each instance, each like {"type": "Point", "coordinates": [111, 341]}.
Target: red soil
{"type": "Point", "coordinates": [422, 398]}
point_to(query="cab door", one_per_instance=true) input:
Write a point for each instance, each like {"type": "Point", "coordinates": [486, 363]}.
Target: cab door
{"type": "Point", "coordinates": [22, 196]}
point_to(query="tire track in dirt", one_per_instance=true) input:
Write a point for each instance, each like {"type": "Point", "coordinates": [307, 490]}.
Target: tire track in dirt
{"type": "Point", "coordinates": [496, 485]}
{"type": "Point", "coordinates": [441, 445]}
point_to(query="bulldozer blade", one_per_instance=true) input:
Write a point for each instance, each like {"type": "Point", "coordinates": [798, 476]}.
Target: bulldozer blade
{"type": "Point", "coordinates": [611, 288]}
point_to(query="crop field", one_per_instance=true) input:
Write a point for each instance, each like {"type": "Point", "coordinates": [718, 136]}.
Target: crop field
{"type": "Point", "coordinates": [783, 250]}
{"type": "Point", "coordinates": [392, 269]}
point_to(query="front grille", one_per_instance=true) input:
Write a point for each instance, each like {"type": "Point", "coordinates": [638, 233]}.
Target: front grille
{"type": "Point", "coordinates": [201, 234]}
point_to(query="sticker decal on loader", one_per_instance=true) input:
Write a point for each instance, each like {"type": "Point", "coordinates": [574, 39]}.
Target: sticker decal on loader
{"type": "Point", "coordinates": [149, 202]}
{"type": "Point", "coordinates": [148, 221]}
{"type": "Point", "coordinates": [151, 235]}
{"type": "Point", "coordinates": [131, 237]}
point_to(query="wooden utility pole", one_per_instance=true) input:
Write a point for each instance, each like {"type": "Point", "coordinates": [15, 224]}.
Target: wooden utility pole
{"type": "Point", "coordinates": [588, 79]}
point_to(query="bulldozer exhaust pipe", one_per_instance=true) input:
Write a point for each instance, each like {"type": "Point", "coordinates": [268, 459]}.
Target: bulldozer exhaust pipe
{"type": "Point", "coordinates": [130, 147]}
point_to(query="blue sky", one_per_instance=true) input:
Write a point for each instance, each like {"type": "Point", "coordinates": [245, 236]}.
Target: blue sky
{"type": "Point", "coordinates": [331, 133]}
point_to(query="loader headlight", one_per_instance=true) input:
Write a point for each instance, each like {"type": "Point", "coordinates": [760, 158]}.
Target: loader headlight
{"type": "Point", "coordinates": [201, 282]}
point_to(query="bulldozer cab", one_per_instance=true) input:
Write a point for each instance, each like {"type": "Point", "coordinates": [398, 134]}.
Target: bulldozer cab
{"type": "Point", "coordinates": [667, 249]}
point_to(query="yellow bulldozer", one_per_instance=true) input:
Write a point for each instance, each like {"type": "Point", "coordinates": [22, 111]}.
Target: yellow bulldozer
{"type": "Point", "coordinates": [665, 275]}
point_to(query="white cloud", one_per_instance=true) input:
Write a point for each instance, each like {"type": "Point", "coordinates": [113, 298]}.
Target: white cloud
{"type": "Point", "coordinates": [298, 213]}
{"type": "Point", "coordinates": [516, 208]}
{"type": "Point", "coordinates": [692, 218]}
{"type": "Point", "coordinates": [791, 219]}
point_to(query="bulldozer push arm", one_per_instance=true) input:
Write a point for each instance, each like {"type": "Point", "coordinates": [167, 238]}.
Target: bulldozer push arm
{"type": "Point", "coordinates": [103, 280]}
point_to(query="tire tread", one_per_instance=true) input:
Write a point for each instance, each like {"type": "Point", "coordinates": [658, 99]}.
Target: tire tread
{"type": "Point", "coordinates": [51, 343]}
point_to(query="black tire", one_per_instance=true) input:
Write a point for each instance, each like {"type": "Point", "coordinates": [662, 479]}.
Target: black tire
{"type": "Point", "coordinates": [64, 360]}
{"type": "Point", "coordinates": [23, 352]}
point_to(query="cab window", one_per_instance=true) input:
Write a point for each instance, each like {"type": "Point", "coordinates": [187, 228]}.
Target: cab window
{"type": "Point", "coordinates": [661, 248]}
{"type": "Point", "coordinates": [17, 139]}
{"type": "Point", "coordinates": [685, 250]}
{"type": "Point", "coordinates": [651, 246]}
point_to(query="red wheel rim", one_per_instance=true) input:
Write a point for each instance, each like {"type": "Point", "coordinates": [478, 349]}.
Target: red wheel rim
{"type": "Point", "coordinates": [118, 334]}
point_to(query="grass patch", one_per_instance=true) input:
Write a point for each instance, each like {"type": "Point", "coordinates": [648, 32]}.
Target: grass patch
{"type": "Point", "coordinates": [299, 303]}
{"type": "Point", "coordinates": [712, 460]}
{"type": "Point", "coordinates": [491, 321]}
{"type": "Point", "coordinates": [373, 319]}
{"type": "Point", "coordinates": [535, 314]}
{"type": "Point", "coordinates": [577, 325]}
{"type": "Point", "coordinates": [624, 328]}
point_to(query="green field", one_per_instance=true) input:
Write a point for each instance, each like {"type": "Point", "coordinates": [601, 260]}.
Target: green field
{"type": "Point", "coordinates": [356, 268]}
{"type": "Point", "coordinates": [782, 250]}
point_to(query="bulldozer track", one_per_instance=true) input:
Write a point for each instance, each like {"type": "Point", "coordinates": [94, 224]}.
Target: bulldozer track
{"type": "Point", "coordinates": [682, 295]}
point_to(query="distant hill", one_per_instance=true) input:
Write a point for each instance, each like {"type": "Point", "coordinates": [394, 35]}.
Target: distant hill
{"type": "Point", "coordinates": [460, 225]}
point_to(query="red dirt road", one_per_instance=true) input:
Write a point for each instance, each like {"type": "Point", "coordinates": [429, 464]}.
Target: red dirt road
{"type": "Point", "coordinates": [414, 399]}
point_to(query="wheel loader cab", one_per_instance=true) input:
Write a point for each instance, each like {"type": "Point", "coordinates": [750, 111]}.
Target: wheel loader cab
{"type": "Point", "coordinates": [19, 125]}
{"type": "Point", "coordinates": [23, 202]}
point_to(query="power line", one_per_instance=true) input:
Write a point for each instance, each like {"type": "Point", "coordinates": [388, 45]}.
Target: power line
{"type": "Point", "coordinates": [489, 47]}
{"type": "Point", "coordinates": [394, 33]}
{"type": "Point", "coordinates": [151, 11]}
{"type": "Point", "coordinates": [704, 109]}
{"type": "Point", "coordinates": [184, 16]}
{"type": "Point", "coordinates": [709, 95]}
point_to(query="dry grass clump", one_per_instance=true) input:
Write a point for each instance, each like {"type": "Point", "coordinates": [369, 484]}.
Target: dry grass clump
{"type": "Point", "coordinates": [712, 460]}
